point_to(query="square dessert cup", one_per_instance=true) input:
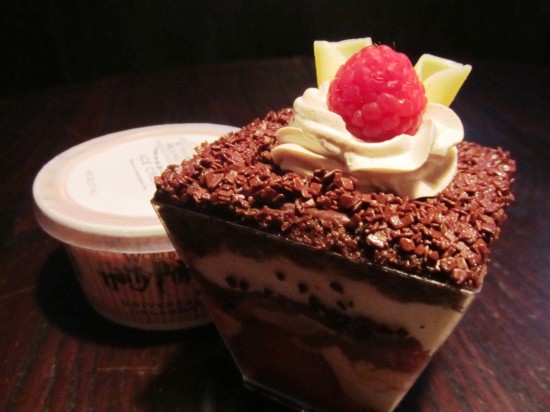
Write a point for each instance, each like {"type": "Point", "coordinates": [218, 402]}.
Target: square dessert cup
{"type": "Point", "coordinates": [312, 329]}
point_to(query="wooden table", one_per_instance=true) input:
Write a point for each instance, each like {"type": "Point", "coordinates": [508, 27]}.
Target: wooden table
{"type": "Point", "coordinates": [57, 354]}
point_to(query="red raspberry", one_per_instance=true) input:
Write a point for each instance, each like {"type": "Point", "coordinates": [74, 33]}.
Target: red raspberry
{"type": "Point", "coordinates": [378, 94]}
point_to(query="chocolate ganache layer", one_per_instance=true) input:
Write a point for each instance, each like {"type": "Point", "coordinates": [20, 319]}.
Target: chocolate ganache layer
{"type": "Point", "coordinates": [445, 238]}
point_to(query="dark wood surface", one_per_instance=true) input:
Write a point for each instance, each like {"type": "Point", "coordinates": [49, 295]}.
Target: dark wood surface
{"type": "Point", "coordinates": [57, 354]}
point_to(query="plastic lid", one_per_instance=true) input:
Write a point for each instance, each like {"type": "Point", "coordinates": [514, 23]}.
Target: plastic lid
{"type": "Point", "coordinates": [97, 194]}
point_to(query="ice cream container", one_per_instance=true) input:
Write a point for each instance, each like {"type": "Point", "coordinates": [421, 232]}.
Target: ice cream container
{"type": "Point", "coordinates": [95, 199]}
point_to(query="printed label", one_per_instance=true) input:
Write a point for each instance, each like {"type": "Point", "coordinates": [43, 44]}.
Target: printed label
{"type": "Point", "coordinates": [144, 271]}
{"type": "Point", "coordinates": [120, 180]}
{"type": "Point", "coordinates": [150, 289]}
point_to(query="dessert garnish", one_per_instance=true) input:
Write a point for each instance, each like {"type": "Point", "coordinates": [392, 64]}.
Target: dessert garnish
{"type": "Point", "coordinates": [378, 119]}
{"type": "Point", "coordinates": [378, 94]}
{"type": "Point", "coordinates": [442, 78]}
{"type": "Point", "coordinates": [330, 55]}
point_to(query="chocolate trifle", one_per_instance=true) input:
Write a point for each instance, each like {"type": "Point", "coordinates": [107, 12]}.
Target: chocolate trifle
{"type": "Point", "coordinates": [337, 243]}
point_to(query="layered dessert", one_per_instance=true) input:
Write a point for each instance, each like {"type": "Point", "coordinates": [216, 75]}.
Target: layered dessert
{"type": "Point", "coordinates": [337, 243]}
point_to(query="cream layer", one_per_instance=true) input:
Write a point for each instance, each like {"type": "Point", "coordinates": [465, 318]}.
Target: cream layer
{"type": "Point", "coordinates": [428, 323]}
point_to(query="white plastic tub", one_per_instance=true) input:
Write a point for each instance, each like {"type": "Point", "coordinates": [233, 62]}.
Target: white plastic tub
{"type": "Point", "coordinates": [95, 198]}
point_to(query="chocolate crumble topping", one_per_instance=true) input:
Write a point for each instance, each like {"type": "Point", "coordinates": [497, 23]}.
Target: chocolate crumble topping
{"type": "Point", "coordinates": [445, 238]}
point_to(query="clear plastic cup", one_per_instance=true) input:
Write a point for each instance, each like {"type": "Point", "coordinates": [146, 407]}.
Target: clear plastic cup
{"type": "Point", "coordinates": [313, 329]}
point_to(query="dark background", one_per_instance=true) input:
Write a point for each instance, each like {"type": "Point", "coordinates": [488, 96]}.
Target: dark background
{"type": "Point", "coordinates": [48, 43]}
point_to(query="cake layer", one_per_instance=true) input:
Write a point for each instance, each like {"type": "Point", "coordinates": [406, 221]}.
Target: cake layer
{"type": "Point", "coordinates": [274, 354]}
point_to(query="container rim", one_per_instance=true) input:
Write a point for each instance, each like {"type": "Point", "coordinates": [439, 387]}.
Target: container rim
{"type": "Point", "coordinates": [72, 221]}
{"type": "Point", "coordinates": [332, 255]}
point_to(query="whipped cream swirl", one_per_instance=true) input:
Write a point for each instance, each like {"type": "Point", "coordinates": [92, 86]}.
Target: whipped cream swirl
{"type": "Point", "coordinates": [416, 166]}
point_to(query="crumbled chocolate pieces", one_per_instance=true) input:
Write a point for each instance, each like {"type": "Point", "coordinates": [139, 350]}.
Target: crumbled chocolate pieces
{"type": "Point", "coordinates": [302, 288]}
{"type": "Point", "coordinates": [337, 287]}
{"type": "Point", "coordinates": [280, 276]}
{"type": "Point", "coordinates": [231, 281]}
{"type": "Point", "coordinates": [445, 238]}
